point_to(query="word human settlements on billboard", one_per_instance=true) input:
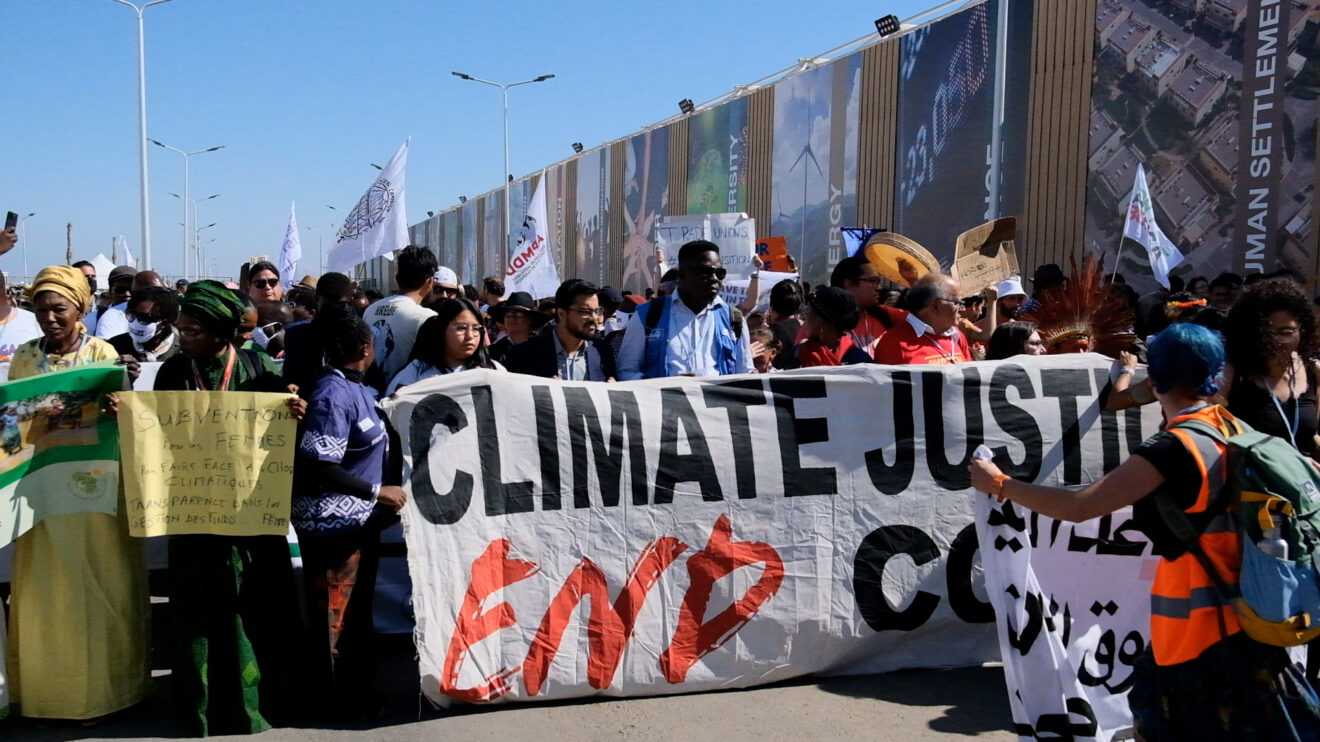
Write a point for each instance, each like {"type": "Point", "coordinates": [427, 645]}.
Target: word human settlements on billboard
{"type": "Point", "coordinates": [1217, 100]}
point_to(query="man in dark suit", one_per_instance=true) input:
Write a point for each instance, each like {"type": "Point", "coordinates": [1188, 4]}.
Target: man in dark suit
{"type": "Point", "coordinates": [569, 352]}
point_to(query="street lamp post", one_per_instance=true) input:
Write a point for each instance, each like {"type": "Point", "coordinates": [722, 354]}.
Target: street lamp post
{"type": "Point", "coordinates": [504, 178]}
{"type": "Point", "coordinates": [185, 155]}
{"type": "Point", "coordinates": [23, 242]}
{"type": "Point", "coordinates": [196, 248]}
{"type": "Point", "coordinates": [142, 127]}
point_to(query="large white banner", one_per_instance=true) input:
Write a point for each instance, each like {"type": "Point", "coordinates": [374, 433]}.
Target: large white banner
{"type": "Point", "coordinates": [1073, 603]}
{"type": "Point", "coordinates": [735, 234]}
{"type": "Point", "coordinates": [378, 224]}
{"type": "Point", "coordinates": [532, 266]}
{"type": "Point", "coordinates": [734, 291]}
{"type": "Point", "coordinates": [724, 532]}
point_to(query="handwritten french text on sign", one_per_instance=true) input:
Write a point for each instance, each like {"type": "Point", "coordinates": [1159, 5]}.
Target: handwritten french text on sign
{"type": "Point", "coordinates": [734, 233]}
{"type": "Point", "coordinates": [207, 462]}
{"type": "Point", "coordinates": [727, 532]}
{"type": "Point", "coordinates": [58, 453]}
{"type": "Point", "coordinates": [1069, 644]}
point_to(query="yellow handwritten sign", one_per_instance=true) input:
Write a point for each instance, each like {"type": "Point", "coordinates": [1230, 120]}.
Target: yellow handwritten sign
{"type": "Point", "coordinates": [207, 462]}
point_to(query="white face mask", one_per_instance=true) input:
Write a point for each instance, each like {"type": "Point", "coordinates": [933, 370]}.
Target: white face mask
{"type": "Point", "coordinates": [141, 332]}
{"type": "Point", "coordinates": [259, 337]}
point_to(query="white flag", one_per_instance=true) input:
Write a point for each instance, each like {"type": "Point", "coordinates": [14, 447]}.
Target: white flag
{"type": "Point", "coordinates": [1141, 227]}
{"type": "Point", "coordinates": [129, 260]}
{"type": "Point", "coordinates": [291, 252]}
{"type": "Point", "coordinates": [532, 265]}
{"type": "Point", "coordinates": [377, 225]}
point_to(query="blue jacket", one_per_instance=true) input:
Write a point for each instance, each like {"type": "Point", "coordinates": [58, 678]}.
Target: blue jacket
{"type": "Point", "coordinates": [656, 360]}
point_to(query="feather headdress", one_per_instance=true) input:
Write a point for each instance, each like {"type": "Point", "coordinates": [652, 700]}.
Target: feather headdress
{"type": "Point", "coordinates": [1082, 314]}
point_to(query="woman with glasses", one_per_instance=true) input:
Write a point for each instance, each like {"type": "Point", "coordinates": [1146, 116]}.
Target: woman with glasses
{"type": "Point", "coordinates": [1272, 374]}
{"type": "Point", "coordinates": [451, 341]}
{"type": "Point", "coordinates": [264, 282]}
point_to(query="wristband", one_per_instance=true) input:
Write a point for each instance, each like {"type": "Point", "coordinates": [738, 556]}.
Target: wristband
{"type": "Point", "coordinates": [999, 485]}
{"type": "Point", "coordinates": [754, 274]}
{"type": "Point", "coordinates": [1122, 371]}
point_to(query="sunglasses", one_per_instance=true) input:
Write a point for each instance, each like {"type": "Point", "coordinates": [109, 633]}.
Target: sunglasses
{"type": "Point", "coordinates": [706, 271]}
{"type": "Point", "coordinates": [445, 291]}
{"type": "Point", "coordinates": [264, 283]}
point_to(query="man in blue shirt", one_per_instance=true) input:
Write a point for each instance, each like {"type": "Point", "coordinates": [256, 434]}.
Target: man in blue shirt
{"type": "Point", "coordinates": [691, 333]}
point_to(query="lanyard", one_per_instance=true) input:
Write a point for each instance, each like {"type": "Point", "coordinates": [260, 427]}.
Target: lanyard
{"type": "Point", "coordinates": [45, 365]}
{"type": "Point", "coordinates": [224, 380]}
{"type": "Point", "coordinates": [953, 347]}
{"type": "Point", "coordinates": [1297, 407]}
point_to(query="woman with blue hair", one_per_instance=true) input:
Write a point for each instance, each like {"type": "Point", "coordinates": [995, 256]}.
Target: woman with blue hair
{"type": "Point", "coordinates": [1201, 678]}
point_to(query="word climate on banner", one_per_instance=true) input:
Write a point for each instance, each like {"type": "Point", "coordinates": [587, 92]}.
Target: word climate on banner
{"type": "Point", "coordinates": [207, 462]}
{"type": "Point", "coordinates": [59, 453]}
{"type": "Point", "coordinates": [734, 233]}
{"type": "Point", "coordinates": [728, 532]}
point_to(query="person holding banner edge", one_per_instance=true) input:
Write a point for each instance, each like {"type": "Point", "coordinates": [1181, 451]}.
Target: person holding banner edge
{"type": "Point", "coordinates": [233, 612]}
{"type": "Point", "coordinates": [79, 608]}
{"type": "Point", "coordinates": [1201, 678]}
{"type": "Point", "coordinates": [339, 509]}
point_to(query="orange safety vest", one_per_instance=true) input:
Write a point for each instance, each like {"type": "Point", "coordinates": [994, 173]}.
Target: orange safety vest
{"type": "Point", "coordinates": [1187, 613]}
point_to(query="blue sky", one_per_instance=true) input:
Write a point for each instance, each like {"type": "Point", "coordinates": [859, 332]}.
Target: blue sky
{"type": "Point", "coordinates": [305, 94]}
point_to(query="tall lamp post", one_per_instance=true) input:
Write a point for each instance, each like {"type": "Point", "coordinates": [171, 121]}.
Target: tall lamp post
{"type": "Point", "coordinates": [185, 155]}
{"type": "Point", "coordinates": [23, 241]}
{"type": "Point", "coordinates": [504, 178]}
{"type": "Point", "coordinates": [196, 248]}
{"type": "Point", "coordinates": [142, 128]}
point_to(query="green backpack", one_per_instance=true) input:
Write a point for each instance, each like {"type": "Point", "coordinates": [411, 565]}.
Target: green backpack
{"type": "Point", "coordinates": [1276, 493]}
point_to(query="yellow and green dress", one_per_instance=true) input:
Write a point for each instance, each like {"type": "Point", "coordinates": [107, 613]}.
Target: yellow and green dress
{"type": "Point", "coordinates": [79, 613]}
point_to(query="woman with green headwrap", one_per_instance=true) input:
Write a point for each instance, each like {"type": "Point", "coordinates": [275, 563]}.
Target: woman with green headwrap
{"type": "Point", "coordinates": [79, 610]}
{"type": "Point", "coordinates": [232, 599]}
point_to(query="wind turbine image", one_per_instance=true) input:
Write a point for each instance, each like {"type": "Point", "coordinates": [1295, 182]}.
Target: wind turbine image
{"type": "Point", "coordinates": [806, 153]}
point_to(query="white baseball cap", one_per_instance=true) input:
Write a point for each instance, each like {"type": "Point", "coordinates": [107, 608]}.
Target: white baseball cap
{"type": "Point", "coordinates": [1010, 287]}
{"type": "Point", "coordinates": [446, 277]}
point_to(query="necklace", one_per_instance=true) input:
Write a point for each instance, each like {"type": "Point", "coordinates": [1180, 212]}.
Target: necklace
{"type": "Point", "coordinates": [45, 354]}
{"type": "Point", "coordinates": [224, 380]}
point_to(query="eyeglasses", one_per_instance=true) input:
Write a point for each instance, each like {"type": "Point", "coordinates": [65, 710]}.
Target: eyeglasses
{"type": "Point", "coordinates": [452, 293]}
{"type": "Point", "coordinates": [143, 318]}
{"type": "Point", "coordinates": [956, 302]}
{"type": "Point", "coordinates": [706, 271]}
{"type": "Point", "coordinates": [588, 313]}
{"type": "Point", "coordinates": [458, 329]}
{"type": "Point", "coordinates": [264, 283]}
{"type": "Point", "coordinates": [873, 280]}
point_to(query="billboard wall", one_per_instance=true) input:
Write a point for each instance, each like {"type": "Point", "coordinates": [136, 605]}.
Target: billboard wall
{"type": "Point", "coordinates": [814, 163]}
{"type": "Point", "coordinates": [469, 237]}
{"type": "Point", "coordinates": [717, 159]}
{"type": "Point", "coordinates": [1221, 110]}
{"type": "Point", "coordinates": [593, 259]}
{"type": "Point", "coordinates": [645, 197]}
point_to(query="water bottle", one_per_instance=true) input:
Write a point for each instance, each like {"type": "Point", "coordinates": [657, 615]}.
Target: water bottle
{"type": "Point", "coordinates": [1272, 542]}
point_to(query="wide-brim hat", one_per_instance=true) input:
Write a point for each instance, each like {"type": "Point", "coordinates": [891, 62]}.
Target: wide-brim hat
{"type": "Point", "coordinates": [522, 301]}
{"type": "Point", "coordinates": [885, 249]}
{"type": "Point", "coordinates": [1049, 274]}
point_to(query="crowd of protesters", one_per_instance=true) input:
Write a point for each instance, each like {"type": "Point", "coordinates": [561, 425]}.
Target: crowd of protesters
{"type": "Point", "coordinates": [1219, 350]}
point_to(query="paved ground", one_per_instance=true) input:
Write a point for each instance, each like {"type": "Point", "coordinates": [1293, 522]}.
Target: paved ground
{"type": "Point", "coordinates": [909, 706]}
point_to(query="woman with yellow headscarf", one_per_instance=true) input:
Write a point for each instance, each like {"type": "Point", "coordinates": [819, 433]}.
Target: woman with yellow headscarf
{"type": "Point", "coordinates": [78, 614]}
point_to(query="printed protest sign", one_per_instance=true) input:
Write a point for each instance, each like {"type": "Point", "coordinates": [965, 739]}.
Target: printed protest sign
{"type": "Point", "coordinates": [735, 290]}
{"type": "Point", "coordinates": [773, 252]}
{"type": "Point", "coordinates": [1069, 645]}
{"type": "Point", "coordinates": [734, 233]}
{"type": "Point", "coordinates": [729, 532]}
{"type": "Point", "coordinates": [207, 462]}
{"type": "Point", "coordinates": [58, 453]}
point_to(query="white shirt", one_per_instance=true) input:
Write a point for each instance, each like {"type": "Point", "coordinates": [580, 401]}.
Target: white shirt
{"type": "Point", "coordinates": [417, 371]}
{"type": "Point", "coordinates": [924, 329]}
{"type": "Point", "coordinates": [114, 321]}
{"type": "Point", "coordinates": [18, 329]}
{"type": "Point", "coordinates": [394, 322]}
{"type": "Point", "coordinates": [691, 344]}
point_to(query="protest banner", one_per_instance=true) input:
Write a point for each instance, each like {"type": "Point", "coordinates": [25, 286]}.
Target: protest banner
{"type": "Point", "coordinates": [985, 256]}
{"type": "Point", "coordinates": [207, 462]}
{"type": "Point", "coordinates": [773, 252]}
{"type": "Point", "coordinates": [734, 233]}
{"type": "Point", "coordinates": [58, 453]}
{"type": "Point", "coordinates": [735, 290]}
{"type": "Point", "coordinates": [729, 532]}
{"type": "Point", "coordinates": [1068, 644]}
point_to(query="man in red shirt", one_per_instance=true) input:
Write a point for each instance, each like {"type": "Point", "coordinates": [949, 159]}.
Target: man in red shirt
{"type": "Point", "coordinates": [929, 335]}
{"type": "Point", "coordinates": [857, 276]}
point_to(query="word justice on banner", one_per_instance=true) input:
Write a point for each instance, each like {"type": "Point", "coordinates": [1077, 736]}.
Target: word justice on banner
{"type": "Point", "coordinates": [722, 532]}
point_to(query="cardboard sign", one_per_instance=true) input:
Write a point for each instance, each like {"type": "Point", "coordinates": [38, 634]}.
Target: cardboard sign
{"type": "Point", "coordinates": [734, 233]}
{"type": "Point", "coordinates": [773, 252]}
{"type": "Point", "coordinates": [207, 462]}
{"type": "Point", "coordinates": [985, 255]}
